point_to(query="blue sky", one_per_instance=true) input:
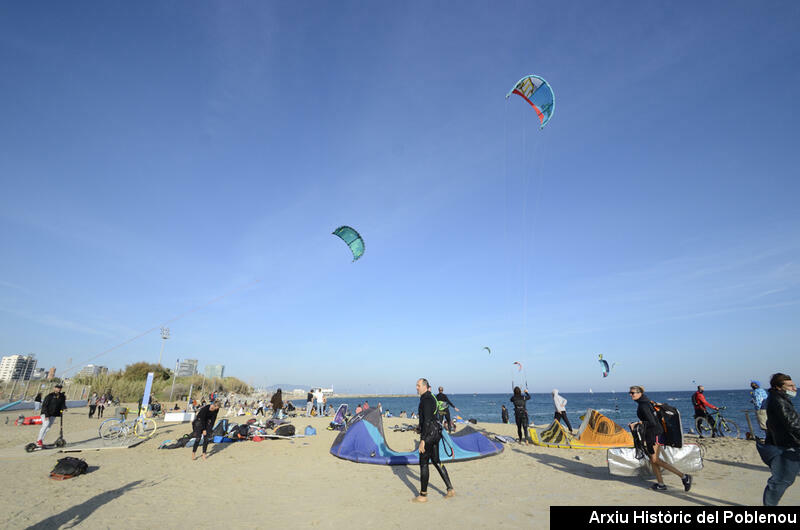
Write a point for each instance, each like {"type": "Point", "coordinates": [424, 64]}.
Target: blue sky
{"type": "Point", "coordinates": [154, 157]}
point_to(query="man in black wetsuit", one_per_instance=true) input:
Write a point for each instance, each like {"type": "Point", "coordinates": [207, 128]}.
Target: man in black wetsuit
{"type": "Point", "coordinates": [202, 425]}
{"type": "Point", "coordinates": [429, 443]}
{"type": "Point", "coordinates": [444, 408]}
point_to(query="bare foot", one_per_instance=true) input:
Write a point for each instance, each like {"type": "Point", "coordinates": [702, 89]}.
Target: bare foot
{"type": "Point", "coordinates": [205, 457]}
{"type": "Point", "coordinates": [420, 498]}
{"type": "Point", "coordinates": [450, 494]}
{"type": "Point", "coordinates": [194, 456]}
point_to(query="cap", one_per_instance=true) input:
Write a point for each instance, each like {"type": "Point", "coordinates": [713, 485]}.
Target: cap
{"type": "Point", "coordinates": [756, 382]}
{"type": "Point", "coordinates": [58, 386]}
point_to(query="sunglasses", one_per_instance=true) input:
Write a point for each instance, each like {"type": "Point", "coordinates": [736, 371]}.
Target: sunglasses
{"type": "Point", "coordinates": [634, 392]}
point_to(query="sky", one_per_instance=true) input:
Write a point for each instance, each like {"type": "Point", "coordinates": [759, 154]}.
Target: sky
{"type": "Point", "coordinates": [185, 163]}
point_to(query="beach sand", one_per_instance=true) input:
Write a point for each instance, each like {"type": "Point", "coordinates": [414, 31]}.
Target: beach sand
{"type": "Point", "coordinates": [298, 483]}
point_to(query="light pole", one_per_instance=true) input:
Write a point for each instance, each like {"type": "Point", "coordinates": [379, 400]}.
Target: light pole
{"type": "Point", "coordinates": [164, 337]}
{"type": "Point", "coordinates": [174, 377]}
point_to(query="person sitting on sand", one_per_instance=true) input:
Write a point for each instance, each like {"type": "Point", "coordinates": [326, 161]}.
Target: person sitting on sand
{"type": "Point", "coordinates": [652, 428]}
{"type": "Point", "coordinates": [202, 426]}
{"type": "Point", "coordinates": [358, 409]}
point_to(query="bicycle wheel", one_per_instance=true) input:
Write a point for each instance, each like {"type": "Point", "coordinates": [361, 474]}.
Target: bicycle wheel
{"type": "Point", "coordinates": [111, 429]}
{"type": "Point", "coordinates": [703, 426]}
{"type": "Point", "coordinates": [145, 428]}
{"type": "Point", "coordinates": [729, 428]}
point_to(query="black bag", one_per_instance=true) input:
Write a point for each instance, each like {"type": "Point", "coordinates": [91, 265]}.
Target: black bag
{"type": "Point", "coordinates": [285, 430]}
{"type": "Point", "coordinates": [242, 432]}
{"type": "Point", "coordinates": [70, 467]}
{"type": "Point", "coordinates": [221, 428]}
{"type": "Point", "coordinates": [670, 420]}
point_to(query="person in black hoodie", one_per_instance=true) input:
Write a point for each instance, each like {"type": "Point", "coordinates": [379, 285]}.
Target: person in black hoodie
{"type": "Point", "coordinates": [652, 428]}
{"type": "Point", "coordinates": [53, 404]}
{"type": "Point", "coordinates": [521, 413]}
{"type": "Point", "coordinates": [783, 438]}
{"type": "Point", "coordinates": [202, 425]}
{"type": "Point", "coordinates": [429, 442]}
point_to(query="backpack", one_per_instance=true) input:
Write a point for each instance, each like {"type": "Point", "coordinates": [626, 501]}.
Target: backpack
{"type": "Point", "coordinates": [241, 432]}
{"type": "Point", "coordinates": [285, 430]}
{"type": "Point", "coordinates": [670, 420]}
{"type": "Point", "coordinates": [68, 467]}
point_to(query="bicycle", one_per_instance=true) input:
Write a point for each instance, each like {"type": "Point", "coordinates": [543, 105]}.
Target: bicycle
{"type": "Point", "coordinates": [721, 425]}
{"type": "Point", "coordinates": [116, 428]}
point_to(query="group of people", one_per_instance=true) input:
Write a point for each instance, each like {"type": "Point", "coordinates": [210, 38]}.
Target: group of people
{"type": "Point", "coordinates": [519, 400]}
{"type": "Point", "coordinates": [316, 396]}
{"type": "Point", "coordinates": [98, 404]}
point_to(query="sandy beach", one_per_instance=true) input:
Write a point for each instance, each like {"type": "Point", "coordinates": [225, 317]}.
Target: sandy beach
{"type": "Point", "coordinates": [299, 483]}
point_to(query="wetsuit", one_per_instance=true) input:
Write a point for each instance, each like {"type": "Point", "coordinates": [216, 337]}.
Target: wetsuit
{"type": "Point", "coordinates": [204, 421]}
{"type": "Point", "coordinates": [504, 415]}
{"type": "Point", "coordinates": [427, 417]}
{"type": "Point", "coordinates": [441, 397]}
{"type": "Point", "coordinates": [521, 415]}
{"type": "Point", "coordinates": [652, 427]}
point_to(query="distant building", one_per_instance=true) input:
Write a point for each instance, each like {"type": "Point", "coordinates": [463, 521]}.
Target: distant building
{"type": "Point", "coordinates": [51, 373]}
{"type": "Point", "coordinates": [19, 367]}
{"type": "Point", "coordinates": [186, 368]}
{"type": "Point", "coordinates": [215, 370]}
{"type": "Point", "coordinates": [91, 370]}
{"type": "Point", "coordinates": [38, 374]}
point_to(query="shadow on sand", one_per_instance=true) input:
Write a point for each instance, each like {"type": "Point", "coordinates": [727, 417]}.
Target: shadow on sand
{"type": "Point", "coordinates": [78, 514]}
{"type": "Point", "coordinates": [580, 469]}
{"type": "Point", "coordinates": [411, 480]}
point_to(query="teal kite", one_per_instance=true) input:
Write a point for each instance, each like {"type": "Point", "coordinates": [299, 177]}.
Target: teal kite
{"type": "Point", "coordinates": [488, 349]}
{"type": "Point", "coordinates": [539, 95]}
{"type": "Point", "coordinates": [353, 240]}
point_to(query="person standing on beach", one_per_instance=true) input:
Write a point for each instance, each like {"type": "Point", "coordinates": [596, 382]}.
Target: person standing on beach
{"type": "Point", "coordinates": [503, 414]}
{"type": "Point", "coordinates": [101, 406]}
{"type": "Point", "coordinates": [701, 406]}
{"type": "Point", "coordinates": [758, 398]}
{"type": "Point", "coordinates": [560, 404]}
{"type": "Point", "coordinates": [444, 408]}
{"type": "Point", "coordinates": [521, 413]}
{"type": "Point", "coordinates": [202, 426]}
{"type": "Point", "coordinates": [430, 431]}
{"type": "Point", "coordinates": [277, 404]}
{"type": "Point", "coordinates": [309, 402]}
{"type": "Point", "coordinates": [783, 438]}
{"type": "Point", "coordinates": [52, 407]}
{"type": "Point", "coordinates": [652, 428]}
{"type": "Point", "coordinates": [319, 396]}
{"type": "Point", "coordinates": [92, 402]}
{"type": "Point", "coordinates": [37, 402]}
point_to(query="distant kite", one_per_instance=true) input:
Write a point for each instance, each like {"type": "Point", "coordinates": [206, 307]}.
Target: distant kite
{"type": "Point", "coordinates": [488, 349]}
{"type": "Point", "coordinates": [604, 364]}
{"type": "Point", "coordinates": [537, 92]}
{"type": "Point", "coordinates": [353, 240]}
{"type": "Point", "coordinates": [519, 365]}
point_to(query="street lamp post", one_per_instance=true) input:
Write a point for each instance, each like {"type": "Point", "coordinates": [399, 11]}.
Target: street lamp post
{"type": "Point", "coordinates": [174, 377]}
{"type": "Point", "coordinates": [164, 337]}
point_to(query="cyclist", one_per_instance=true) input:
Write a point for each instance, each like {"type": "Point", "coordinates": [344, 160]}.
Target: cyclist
{"type": "Point", "coordinates": [701, 406]}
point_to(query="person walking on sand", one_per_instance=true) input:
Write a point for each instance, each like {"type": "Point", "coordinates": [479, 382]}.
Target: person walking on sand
{"type": "Point", "coordinates": [92, 402]}
{"type": "Point", "coordinates": [202, 426]}
{"type": "Point", "coordinates": [701, 406]}
{"type": "Point", "coordinates": [521, 413]}
{"type": "Point", "coordinates": [783, 438]}
{"type": "Point", "coordinates": [52, 407]}
{"type": "Point", "coordinates": [560, 404]}
{"type": "Point", "coordinates": [430, 430]}
{"type": "Point", "coordinates": [503, 414]}
{"type": "Point", "coordinates": [101, 406]}
{"type": "Point", "coordinates": [444, 408]}
{"type": "Point", "coordinates": [652, 428]}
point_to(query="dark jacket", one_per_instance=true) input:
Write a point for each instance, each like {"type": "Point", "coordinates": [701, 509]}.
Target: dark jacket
{"type": "Point", "coordinates": [441, 397]}
{"type": "Point", "coordinates": [783, 423]}
{"type": "Point", "coordinates": [53, 404]}
{"type": "Point", "coordinates": [205, 419]}
{"type": "Point", "coordinates": [647, 414]}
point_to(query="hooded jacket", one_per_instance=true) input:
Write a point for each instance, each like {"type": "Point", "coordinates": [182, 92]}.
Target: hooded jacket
{"type": "Point", "coordinates": [559, 402]}
{"type": "Point", "coordinates": [783, 422]}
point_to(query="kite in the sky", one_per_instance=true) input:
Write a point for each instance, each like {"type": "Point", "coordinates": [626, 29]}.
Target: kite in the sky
{"type": "Point", "coordinates": [606, 367]}
{"type": "Point", "coordinates": [537, 92]}
{"type": "Point", "coordinates": [353, 240]}
{"type": "Point", "coordinates": [519, 365]}
{"type": "Point", "coordinates": [487, 348]}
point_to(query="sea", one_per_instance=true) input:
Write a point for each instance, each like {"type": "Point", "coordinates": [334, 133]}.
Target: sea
{"type": "Point", "coordinates": [485, 408]}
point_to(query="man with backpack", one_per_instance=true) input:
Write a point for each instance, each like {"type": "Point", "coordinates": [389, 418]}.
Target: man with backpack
{"type": "Point", "coordinates": [701, 406]}
{"type": "Point", "coordinates": [430, 430]}
{"type": "Point", "coordinates": [54, 403]}
{"type": "Point", "coordinates": [444, 408]}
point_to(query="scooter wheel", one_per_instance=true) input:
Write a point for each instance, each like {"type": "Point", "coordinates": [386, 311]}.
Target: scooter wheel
{"type": "Point", "coordinates": [61, 442]}
{"type": "Point", "coordinates": [31, 447]}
